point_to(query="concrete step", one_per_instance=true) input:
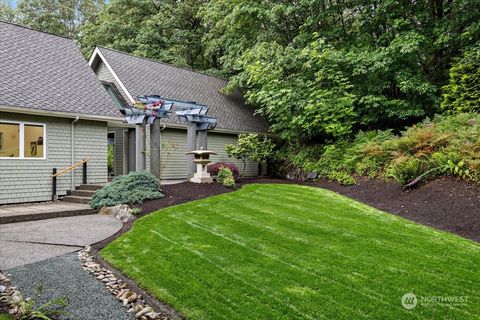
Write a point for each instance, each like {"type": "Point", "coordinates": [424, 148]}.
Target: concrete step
{"type": "Point", "coordinates": [76, 199]}
{"type": "Point", "coordinates": [82, 193]}
{"type": "Point", "coordinates": [42, 211]}
{"type": "Point", "coordinates": [90, 187]}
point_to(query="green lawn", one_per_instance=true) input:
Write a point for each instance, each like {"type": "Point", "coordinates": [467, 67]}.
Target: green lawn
{"type": "Point", "coordinates": [294, 252]}
{"type": "Point", "coordinates": [5, 317]}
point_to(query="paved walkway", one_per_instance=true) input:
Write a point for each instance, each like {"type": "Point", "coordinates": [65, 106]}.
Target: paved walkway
{"type": "Point", "coordinates": [63, 277]}
{"type": "Point", "coordinates": [37, 211]}
{"type": "Point", "coordinates": [27, 242]}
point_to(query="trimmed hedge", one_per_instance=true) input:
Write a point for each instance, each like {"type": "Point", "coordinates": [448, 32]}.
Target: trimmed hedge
{"type": "Point", "coordinates": [134, 188]}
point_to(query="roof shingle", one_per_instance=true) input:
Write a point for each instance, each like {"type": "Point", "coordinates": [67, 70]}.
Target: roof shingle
{"type": "Point", "coordinates": [47, 72]}
{"type": "Point", "coordinates": [143, 76]}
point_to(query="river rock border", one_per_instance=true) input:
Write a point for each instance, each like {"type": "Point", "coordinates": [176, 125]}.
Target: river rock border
{"type": "Point", "coordinates": [132, 301]}
{"type": "Point", "coordinates": [9, 295]}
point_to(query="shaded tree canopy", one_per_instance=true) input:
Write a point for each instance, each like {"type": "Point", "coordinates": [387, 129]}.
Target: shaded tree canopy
{"type": "Point", "coordinates": [318, 70]}
{"type": "Point", "coordinates": [62, 17]}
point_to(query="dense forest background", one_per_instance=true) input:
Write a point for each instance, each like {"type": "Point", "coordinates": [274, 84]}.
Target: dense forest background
{"type": "Point", "coordinates": [320, 71]}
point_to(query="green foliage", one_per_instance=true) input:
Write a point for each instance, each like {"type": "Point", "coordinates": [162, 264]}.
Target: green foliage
{"type": "Point", "coordinates": [110, 159]}
{"type": "Point", "coordinates": [446, 145]}
{"type": "Point", "coordinates": [30, 309]}
{"type": "Point", "coordinates": [167, 30]}
{"type": "Point", "coordinates": [405, 169]}
{"type": "Point", "coordinates": [302, 92]}
{"type": "Point", "coordinates": [6, 11]}
{"type": "Point", "coordinates": [63, 17]}
{"type": "Point", "coordinates": [451, 163]}
{"type": "Point", "coordinates": [134, 188]}
{"type": "Point", "coordinates": [225, 177]}
{"type": "Point", "coordinates": [462, 94]}
{"type": "Point", "coordinates": [136, 211]}
{"type": "Point", "coordinates": [251, 146]}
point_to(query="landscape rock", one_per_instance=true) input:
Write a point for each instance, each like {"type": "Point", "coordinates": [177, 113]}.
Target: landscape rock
{"type": "Point", "coordinates": [121, 212]}
{"type": "Point", "coordinates": [132, 301]}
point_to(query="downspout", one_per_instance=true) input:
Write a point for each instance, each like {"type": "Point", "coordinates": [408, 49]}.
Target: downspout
{"type": "Point", "coordinates": [72, 148]}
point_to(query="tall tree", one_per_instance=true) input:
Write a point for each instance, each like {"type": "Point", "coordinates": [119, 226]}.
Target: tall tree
{"type": "Point", "coordinates": [63, 17]}
{"type": "Point", "coordinates": [6, 11]}
{"type": "Point", "coordinates": [168, 30]}
{"type": "Point", "coordinates": [396, 53]}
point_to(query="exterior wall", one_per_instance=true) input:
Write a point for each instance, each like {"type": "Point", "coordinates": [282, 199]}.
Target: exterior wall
{"type": "Point", "coordinates": [217, 141]}
{"type": "Point", "coordinates": [29, 180]}
{"type": "Point", "coordinates": [173, 154]}
{"type": "Point", "coordinates": [91, 142]}
{"type": "Point", "coordinates": [175, 165]}
{"type": "Point", "coordinates": [103, 74]}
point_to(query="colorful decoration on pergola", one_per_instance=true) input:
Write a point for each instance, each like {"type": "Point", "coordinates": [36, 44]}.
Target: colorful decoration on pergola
{"type": "Point", "coordinates": [152, 107]}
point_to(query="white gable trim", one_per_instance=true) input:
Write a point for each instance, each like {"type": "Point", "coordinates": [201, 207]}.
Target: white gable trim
{"type": "Point", "coordinates": [96, 53]}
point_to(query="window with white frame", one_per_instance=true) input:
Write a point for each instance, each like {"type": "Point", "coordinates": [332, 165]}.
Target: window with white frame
{"type": "Point", "coordinates": [22, 140]}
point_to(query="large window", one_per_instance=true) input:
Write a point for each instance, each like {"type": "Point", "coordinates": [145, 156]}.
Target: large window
{"type": "Point", "coordinates": [22, 140]}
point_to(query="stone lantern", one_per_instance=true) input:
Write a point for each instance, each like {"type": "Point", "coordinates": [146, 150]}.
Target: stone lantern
{"type": "Point", "coordinates": [201, 159]}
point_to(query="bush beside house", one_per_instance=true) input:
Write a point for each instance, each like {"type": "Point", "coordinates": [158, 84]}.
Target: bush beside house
{"type": "Point", "coordinates": [134, 188]}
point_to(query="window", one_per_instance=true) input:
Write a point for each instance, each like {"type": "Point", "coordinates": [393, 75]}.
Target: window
{"type": "Point", "coordinates": [113, 94]}
{"type": "Point", "coordinates": [22, 140]}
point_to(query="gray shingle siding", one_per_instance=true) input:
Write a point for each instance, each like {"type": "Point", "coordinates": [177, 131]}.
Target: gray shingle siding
{"type": "Point", "coordinates": [175, 165]}
{"type": "Point", "coordinates": [103, 74]}
{"type": "Point", "coordinates": [47, 72]}
{"type": "Point", "coordinates": [28, 180]}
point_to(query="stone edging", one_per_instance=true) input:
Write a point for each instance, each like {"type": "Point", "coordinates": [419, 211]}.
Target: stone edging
{"type": "Point", "coordinates": [132, 301]}
{"type": "Point", "coordinates": [9, 295]}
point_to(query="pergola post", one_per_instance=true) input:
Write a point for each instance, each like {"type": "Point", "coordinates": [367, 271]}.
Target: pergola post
{"type": "Point", "coordinates": [191, 146]}
{"type": "Point", "coordinates": [139, 147]}
{"type": "Point", "coordinates": [202, 140]}
{"type": "Point", "coordinates": [155, 148]}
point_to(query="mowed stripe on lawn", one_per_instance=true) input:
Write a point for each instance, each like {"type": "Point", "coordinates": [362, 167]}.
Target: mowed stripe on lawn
{"type": "Point", "coordinates": [295, 252]}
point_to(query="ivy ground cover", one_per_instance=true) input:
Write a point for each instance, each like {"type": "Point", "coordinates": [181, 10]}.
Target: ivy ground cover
{"type": "Point", "coordinates": [274, 251]}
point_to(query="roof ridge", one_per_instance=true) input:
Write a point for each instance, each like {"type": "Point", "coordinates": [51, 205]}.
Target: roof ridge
{"type": "Point", "coordinates": [33, 29]}
{"type": "Point", "coordinates": [164, 63]}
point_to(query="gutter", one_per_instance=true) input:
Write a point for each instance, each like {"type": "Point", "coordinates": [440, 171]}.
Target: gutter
{"type": "Point", "coordinates": [38, 112]}
{"type": "Point", "coordinates": [72, 149]}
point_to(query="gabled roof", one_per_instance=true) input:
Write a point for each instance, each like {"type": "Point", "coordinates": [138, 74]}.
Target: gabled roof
{"type": "Point", "coordinates": [41, 71]}
{"type": "Point", "coordinates": [141, 76]}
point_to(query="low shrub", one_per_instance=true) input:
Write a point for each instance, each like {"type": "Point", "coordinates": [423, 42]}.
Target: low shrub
{"type": "Point", "coordinates": [406, 169]}
{"type": "Point", "coordinates": [225, 177]}
{"type": "Point", "coordinates": [444, 145]}
{"type": "Point", "coordinates": [214, 168]}
{"type": "Point", "coordinates": [134, 188]}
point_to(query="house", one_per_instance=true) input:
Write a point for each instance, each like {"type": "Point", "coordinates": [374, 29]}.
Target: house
{"type": "Point", "coordinates": [126, 77]}
{"type": "Point", "coordinates": [53, 113]}
{"type": "Point", "coordinates": [57, 110]}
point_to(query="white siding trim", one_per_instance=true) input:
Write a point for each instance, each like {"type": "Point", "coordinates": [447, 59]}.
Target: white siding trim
{"type": "Point", "coordinates": [96, 53]}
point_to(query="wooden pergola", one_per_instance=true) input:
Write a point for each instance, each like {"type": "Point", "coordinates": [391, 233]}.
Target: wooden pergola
{"type": "Point", "coordinates": [150, 110]}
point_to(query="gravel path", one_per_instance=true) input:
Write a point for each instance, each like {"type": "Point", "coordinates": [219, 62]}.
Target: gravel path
{"type": "Point", "coordinates": [63, 277]}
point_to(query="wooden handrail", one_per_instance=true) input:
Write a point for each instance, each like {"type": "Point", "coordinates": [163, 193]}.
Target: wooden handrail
{"type": "Point", "coordinates": [70, 168]}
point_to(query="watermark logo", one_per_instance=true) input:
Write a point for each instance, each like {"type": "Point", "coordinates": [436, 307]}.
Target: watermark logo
{"type": "Point", "coordinates": [409, 301]}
